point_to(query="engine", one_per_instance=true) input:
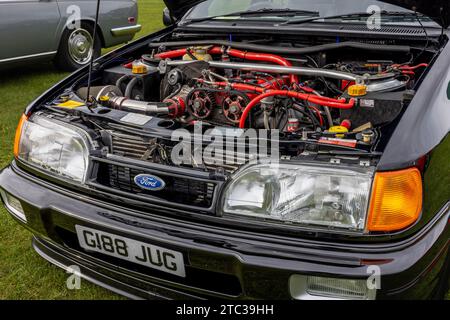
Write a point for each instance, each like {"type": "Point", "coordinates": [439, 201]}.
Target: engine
{"type": "Point", "coordinates": [332, 100]}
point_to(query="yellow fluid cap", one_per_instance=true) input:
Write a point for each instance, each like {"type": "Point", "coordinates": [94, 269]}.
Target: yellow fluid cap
{"type": "Point", "coordinates": [357, 90]}
{"type": "Point", "coordinates": [139, 69]}
{"type": "Point", "coordinates": [104, 99]}
{"type": "Point", "coordinates": [338, 130]}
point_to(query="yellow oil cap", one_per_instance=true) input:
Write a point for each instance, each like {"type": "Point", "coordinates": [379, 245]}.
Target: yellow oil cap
{"type": "Point", "coordinates": [139, 68]}
{"type": "Point", "coordinates": [357, 90]}
{"type": "Point", "coordinates": [339, 131]}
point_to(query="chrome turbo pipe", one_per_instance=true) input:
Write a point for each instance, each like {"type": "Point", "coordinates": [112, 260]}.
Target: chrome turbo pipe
{"type": "Point", "coordinates": [111, 96]}
{"type": "Point", "coordinates": [375, 83]}
{"type": "Point", "coordinates": [315, 72]}
{"type": "Point", "coordinates": [135, 106]}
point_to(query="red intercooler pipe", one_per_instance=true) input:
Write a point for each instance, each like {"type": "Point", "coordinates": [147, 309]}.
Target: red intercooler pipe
{"type": "Point", "coordinates": [171, 54]}
{"type": "Point", "coordinates": [236, 54]}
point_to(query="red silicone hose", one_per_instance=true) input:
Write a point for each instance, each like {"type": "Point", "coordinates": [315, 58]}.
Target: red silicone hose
{"type": "Point", "coordinates": [234, 53]}
{"type": "Point", "coordinates": [301, 96]}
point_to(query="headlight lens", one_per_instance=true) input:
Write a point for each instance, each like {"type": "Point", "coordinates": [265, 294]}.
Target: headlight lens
{"type": "Point", "coordinates": [301, 194]}
{"type": "Point", "coordinates": [57, 148]}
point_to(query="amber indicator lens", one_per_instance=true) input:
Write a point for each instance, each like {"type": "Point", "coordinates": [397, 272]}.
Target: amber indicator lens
{"type": "Point", "coordinates": [396, 200]}
{"type": "Point", "coordinates": [22, 120]}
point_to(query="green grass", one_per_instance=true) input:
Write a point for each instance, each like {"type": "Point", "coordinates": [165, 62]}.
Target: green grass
{"type": "Point", "coordinates": [23, 274]}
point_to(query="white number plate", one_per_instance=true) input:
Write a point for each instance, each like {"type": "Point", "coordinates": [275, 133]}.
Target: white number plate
{"type": "Point", "coordinates": [131, 250]}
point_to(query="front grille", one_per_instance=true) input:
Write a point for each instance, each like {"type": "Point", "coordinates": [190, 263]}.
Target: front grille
{"type": "Point", "coordinates": [137, 147]}
{"type": "Point", "coordinates": [129, 146]}
{"type": "Point", "coordinates": [180, 190]}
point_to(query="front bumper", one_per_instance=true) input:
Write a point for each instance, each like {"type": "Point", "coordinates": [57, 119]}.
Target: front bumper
{"type": "Point", "coordinates": [220, 263]}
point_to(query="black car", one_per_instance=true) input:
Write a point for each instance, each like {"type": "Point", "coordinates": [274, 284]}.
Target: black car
{"type": "Point", "coordinates": [250, 150]}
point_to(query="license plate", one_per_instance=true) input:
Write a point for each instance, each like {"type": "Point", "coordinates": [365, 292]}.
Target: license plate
{"type": "Point", "coordinates": [142, 253]}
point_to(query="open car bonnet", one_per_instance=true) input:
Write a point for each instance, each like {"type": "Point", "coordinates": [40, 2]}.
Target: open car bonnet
{"type": "Point", "coordinates": [438, 10]}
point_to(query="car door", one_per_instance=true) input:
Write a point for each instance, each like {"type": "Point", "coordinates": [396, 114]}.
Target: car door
{"type": "Point", "coordinates": [28, 28]}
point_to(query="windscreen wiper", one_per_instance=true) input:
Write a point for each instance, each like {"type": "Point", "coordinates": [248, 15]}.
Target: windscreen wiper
{"type": "Point", "coordinates": [353, 15]}
{"type": "Point", "coordinates": [263, 11]}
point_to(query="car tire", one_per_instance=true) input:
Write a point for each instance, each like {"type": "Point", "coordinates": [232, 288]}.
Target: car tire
{"type": "Point", "coordinates": [74, 47]}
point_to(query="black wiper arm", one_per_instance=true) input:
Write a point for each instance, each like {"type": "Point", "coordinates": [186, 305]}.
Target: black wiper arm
{"type": "Point", "coordinates": [262, 11]}
{"type": "Point", "coordinates": [284, 11]}
{"type": "Point", "coordinates": [350, 15]}
{"type": "Point", "coordinates": [301, 21]}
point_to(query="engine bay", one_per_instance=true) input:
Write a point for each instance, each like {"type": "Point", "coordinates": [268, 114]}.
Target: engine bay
{"type": "Point", "coordinates": [322, 103]}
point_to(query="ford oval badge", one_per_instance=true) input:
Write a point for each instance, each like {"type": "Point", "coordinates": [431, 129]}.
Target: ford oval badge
{"type": "Point", "coordinates": [149, 182]}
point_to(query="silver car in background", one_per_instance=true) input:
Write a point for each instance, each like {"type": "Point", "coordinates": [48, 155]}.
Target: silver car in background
{"type": "Point", "coordinates": [62, 30]}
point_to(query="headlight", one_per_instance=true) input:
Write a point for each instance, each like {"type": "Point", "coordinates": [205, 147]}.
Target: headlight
{"type": "Point", "coordinates": [301, 194]}
{"type": "Point", "coordinates": [58, 148]}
